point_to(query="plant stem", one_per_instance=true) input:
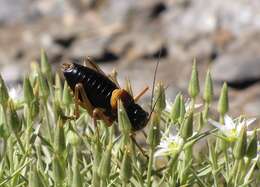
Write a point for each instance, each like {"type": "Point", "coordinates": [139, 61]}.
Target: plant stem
{"type": "Point", "coordinates": [19, 142]}
{"type": "Point", "coordinates": [150, 167]}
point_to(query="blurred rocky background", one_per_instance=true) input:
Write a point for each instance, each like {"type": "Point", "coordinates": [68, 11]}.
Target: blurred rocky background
{"type": "Point", "coordinates": [129, 34]}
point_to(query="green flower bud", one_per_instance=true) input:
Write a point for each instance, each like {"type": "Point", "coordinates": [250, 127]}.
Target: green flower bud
{"type": "Point", "coordinates": [34, 72]}
{"type": "Point", "coordinates": [27, 91]}
{"type": "Point", "coordinates": [126, 167]}
{"type": "Point", "coordinates": [59, 138]}
{"type": "Point", "coordinates": [34, 178]}
{"type": "Point", "coordinates": [45, 65]}
{"type": "Point", "coordinates": [76, 178]}
{"type": "Point", "coordinates": [153, 138]}
{"type": "Point", "coordinates": [58, 88]}
{"type": "Point", "coordinates": [4, 96]}
{"type": "Point", "coordinates": [105, 164]}
{"type": "Point", "coordinates": [14, 120]}
{"type": "Point", "coordinates": [182, 109]}
{"type": "Point", "coordinates": [73, 138]}
{"type": "Point", "coordinates": [223, 100]}
{"type": "Point", "coordinates": [186, 130]}
{"type": "Point", "coordinates": [175, 112]}
{"type": "Point", "coordinates": [43, 87]}
{"type": "Point", "coordinates": [58, 111]}
{"type": "Point", "coordinates": [241, 144]}
{"type": "Point", "coordinates": [194, 87]}
{"type": "Point", "coordinates": [208, 89]}
{"type": "Point", "coordinates": [123, 120]}
{"type": "Point", "coordinates": [67, 97]}
{"type": "Point", "coordinates": [34, 108]}
{"type": "Point", "coordinates": [128, 87]}
{"type": "Point", "coordinates": [160, 97]}
{"type": "Point", "coordinates": [252, 146]}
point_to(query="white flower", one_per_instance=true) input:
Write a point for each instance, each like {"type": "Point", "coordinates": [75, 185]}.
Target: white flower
{"type": "Point", "coordinates": [231, 128]}
{"type": "Point", "coordinates": [15, 93]}
{"type": "Point", "coordinates": [169, 145]}
{"type": "Point", "coordinates": [188, 105]}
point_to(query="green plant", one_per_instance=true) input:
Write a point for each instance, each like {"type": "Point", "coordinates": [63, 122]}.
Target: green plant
{"type": "Point", "coordinates": [41, 147]}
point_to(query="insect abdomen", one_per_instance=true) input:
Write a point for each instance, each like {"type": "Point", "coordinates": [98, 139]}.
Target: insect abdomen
{"type": "Point", "coordinates": [97, 86]}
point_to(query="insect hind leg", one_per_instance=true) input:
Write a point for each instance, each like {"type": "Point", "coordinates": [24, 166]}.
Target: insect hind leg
{"type": "Point", "coordinates": [132, 136]}
{"type": "Point", "coordinates": [85, 103]}
{"type": "Point", "coordinates": [137, 97]}
{"type": "Point", "coordinates": [98, 114]}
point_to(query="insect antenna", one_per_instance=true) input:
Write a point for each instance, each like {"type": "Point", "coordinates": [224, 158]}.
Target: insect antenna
{"type": "Point", "coordinates": [153, 88]}
{"type": "Point", "coordinates": [152, 107]}
{"type": "Point", "coordinates": [154, 77]}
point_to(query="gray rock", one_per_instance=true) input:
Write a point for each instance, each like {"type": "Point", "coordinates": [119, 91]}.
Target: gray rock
{"type": "Point", "coordinates": [236, 68]}
{"type": "Point", "coordinates": [252, 108]}
{"type": "Point", "coordinates": [240, 64]}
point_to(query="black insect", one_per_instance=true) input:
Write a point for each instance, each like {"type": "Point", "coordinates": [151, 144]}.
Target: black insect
{"type": "Point", "coordinates": [99, 94]}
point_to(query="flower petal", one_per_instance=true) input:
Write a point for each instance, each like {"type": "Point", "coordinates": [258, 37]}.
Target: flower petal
{"type": "Point", "coordinates": [250, 121]}
{"type": "Point", "coordinates": [216, 124]}
{"type": "Point", "coordinates": [229, 122]}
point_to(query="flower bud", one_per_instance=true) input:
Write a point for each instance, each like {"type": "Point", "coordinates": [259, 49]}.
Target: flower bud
{"type": "Point", "coordinates": [58, 88]}
{"type": "Point", "coordinates": [67, 97]}
{"type": "Point", "coordinates": [175, 112]}
{"type": "Point", "coordinates": [153, 138]}
{"type": "Point", "coordinates": [186, 130]}
{"type": "Point", "coordinates": [4, 96]}
{"type": "Point", "coordinates": [76, 178]}
{"type": "Point", "coordinates": [59, 138]}
{"type": "Point", "coordinates": [182, 109]}
{"type": "Point", "coordinates": [34, 108]}
{"type": "Point", "coordinates": [159, 98]}
{"type": "Point", "coordinates": [194, 87]}
{"type": "Point", "coordinates": [208, 89]}
{"type": "Point", "coordinates": [128, 87]}
{"type": "Point", "coordinates": [34, 72]}
{"type": "Point", "coordinates": [105, 164]}
{"type": "Point", "coordinates": [223, 100]}
{"type": "Point", "coordinates": [45, 65]}
{"type": "Point", "coordinates": [27, 91]}
{"type": "Point", "coordinates": [43, 86]}
{"type": "Point", "coordinates": [126, 167]}
{"type": "Point", "coordinates": [73, 138]}
{"type": "Point", "coordinates": [241, 144]}
{"type": "Point", "coordinates": [14, 120]}
{"type": "Point", "coordinates": [252, 146]}
{"type": "Point", "coordinates": [123, 120]}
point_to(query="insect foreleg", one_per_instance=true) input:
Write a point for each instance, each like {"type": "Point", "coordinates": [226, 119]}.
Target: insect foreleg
{"type": "Point", "coordinates": [85, 103]}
